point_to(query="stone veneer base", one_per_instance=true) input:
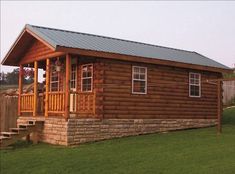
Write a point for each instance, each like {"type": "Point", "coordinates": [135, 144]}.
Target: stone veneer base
{"type": "Point", "coordinates": [78, 131]}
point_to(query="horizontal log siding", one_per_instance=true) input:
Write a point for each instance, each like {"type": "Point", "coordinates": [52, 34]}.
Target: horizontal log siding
{"type": "Point", "coordinates": [36, 51]}
{"type": "Point", "coordinates": [167, 93]}
{"type": "Point", "coordinates": [98, 74]}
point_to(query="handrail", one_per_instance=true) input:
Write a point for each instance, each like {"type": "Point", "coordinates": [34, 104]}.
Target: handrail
{"type": "Point", "coordinates": [26, 94]}
{"type": "Point", "coordinates": [56, 92]}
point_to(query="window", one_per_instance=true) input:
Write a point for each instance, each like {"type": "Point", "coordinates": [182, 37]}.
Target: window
{"type": "Point", "coordinates": [54, 81]}
{"type": "Point", "coordinates": [73, 75]}
{"type": "Point", "coordinates": [87, 75]}
{"type": "Point", "coordinates": [194, 84]}
{"type": "Point", "coordinates": [139, 80]}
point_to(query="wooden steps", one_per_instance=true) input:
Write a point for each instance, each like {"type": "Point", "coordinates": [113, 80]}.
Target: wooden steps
{"type": "Point", "coordinates": [23, 130]}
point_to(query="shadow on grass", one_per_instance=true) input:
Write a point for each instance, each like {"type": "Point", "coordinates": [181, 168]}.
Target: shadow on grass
{"type": "Point", "coordinates": [21, 144]}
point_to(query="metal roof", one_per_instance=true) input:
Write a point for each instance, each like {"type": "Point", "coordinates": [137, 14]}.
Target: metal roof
{"type": "Point", "coordinates": [57, 37]}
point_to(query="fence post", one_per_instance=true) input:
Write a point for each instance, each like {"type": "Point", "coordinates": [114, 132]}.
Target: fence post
{"type": "Point", "coordinates": [219, 97]}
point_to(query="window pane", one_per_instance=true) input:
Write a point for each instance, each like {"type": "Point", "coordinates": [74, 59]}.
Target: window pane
{"type": "Point", "coordinates": [136, 70]}
{"type": "Point", "coordinates": [194, 90]}
{"type": "Point", "coordinates": [139, 86]}
{"type": "Point", "coordinates": [54, 86]}
{"type": "Point", "coordinates": [191, 81]}
{"type": "Point", "coordinates": [196, 81]}
{"type": "Point", "coordinates": [136, 76]}
{"type": "Point", "coordinates": [86, 84]}
{"type": "Point", "coordinates": [196, 76]}
{"type": "Point", "coordinates": [142, 76]}
{"type": "Point", "coordinates": [191, 75]}
{"type": "Point", "coordinates": [142, 70]}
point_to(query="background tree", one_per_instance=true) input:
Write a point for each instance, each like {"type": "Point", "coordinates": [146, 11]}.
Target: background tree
{"type": "Point", "coordinates": [12, 78]}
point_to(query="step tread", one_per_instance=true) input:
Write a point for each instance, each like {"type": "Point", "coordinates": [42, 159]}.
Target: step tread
{"type": "Point", "coordinates": [9, 133]}
{"type": "Point", "coordinates": [26, 125]}
{"type": "Point", "coordinates": [3, 137]}
{"type": "Point", "coordinates": [19, 129]}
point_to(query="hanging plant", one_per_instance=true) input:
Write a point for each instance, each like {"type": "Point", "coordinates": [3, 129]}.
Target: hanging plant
{"type": "Point", "coordinates": [58, 65]}
{"type": "Point", "coordinates": [28, 73]}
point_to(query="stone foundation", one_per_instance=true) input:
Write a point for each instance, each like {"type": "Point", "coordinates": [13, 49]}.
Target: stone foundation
{"type": "Point", "coordinates": [54, 130]}
{"type": "Point", "coordinates": [77, 131]}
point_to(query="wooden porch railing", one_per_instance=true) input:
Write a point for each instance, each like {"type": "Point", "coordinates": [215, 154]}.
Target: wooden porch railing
{"type": "Point", "coordinates": [56, 102]}
{"type": "Point", "coordinates": [82, 103]}
{"type": "Point", "coordinates": [26, 102]}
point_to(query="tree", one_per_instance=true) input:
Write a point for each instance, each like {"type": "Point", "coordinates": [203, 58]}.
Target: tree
{"type": "Point", "coordinates": [2, 78]}
{"type": "Point", "coordinates": [12, 78]}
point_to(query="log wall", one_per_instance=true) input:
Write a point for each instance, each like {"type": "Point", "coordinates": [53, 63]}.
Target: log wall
{"type": "Point", "coordinates": [98, 75]}
{"type": "Point", "coordinates": [37, 50]}
{"type": "Point", "coordinates": [167, 93]}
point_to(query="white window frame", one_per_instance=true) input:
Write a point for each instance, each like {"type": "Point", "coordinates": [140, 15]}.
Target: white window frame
{"type": "Point", "coordinates": [87, 77]}
{"type": "Point", "coordinates": [51, 82]}
{"type": "Point", "coordinates": [195, 85]}
{"type": "Point", "coordinates": [145, 80]}
{"type": "Point", "coordinates": [73, 62]}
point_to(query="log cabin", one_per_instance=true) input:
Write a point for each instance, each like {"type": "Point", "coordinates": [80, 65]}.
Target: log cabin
{"type": "Point", "coordinates": [98, 87]}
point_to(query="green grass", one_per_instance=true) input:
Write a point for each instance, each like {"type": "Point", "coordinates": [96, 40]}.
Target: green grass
{"type": "Point", "coordinates": [199, 151]}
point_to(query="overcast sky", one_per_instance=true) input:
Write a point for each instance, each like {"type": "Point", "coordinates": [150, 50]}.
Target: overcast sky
{"type": "Point", "coordinates": [205, 27]}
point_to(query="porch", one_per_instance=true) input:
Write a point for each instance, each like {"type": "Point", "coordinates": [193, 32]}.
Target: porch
{"type": "Point", "coordinates": [60, 95]}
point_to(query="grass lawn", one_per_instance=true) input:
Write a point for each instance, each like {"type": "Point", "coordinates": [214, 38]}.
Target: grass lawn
{"type": "Point", "coordinates": [199, 151]}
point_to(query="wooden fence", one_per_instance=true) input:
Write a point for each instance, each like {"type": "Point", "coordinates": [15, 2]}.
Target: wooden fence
{"type": "Point", "coordinates": [228, 92]}
{"type": "Point", "coordinates": [8, 112]}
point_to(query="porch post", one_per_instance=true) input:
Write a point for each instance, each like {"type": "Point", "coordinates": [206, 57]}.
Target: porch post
{"type": "Point", "coordinates": [35, 87]}
{"type": "Point", "coordinates": [219, 129]}
{"type": "Point", "coordinates": [47, 86]}
{"type": "Point", "coordinates": [20, 89]}
{"type": "Point", "coordinates": [67, 86]}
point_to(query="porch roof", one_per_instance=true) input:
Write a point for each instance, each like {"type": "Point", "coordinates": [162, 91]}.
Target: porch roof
{"type": "Point", "coordinates": [68, 39]}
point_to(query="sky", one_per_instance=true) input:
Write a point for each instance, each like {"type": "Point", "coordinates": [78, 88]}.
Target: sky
{"type": "Point", "coordinates": [205, 27]}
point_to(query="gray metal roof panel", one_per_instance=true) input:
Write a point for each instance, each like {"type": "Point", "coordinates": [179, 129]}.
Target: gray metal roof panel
{"type": "Point", "coordinates": [57, 37]}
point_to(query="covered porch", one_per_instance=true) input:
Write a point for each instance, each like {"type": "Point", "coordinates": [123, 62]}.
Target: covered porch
{"type": "Point", "coordinates": [60, 95]}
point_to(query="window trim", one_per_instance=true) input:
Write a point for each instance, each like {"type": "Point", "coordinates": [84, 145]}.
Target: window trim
{"type": "Point", "coordinates": [74, 62]}
{"type": "Point", "coordinates": [193, 96]}
{"type": "Point", "coordinates": [146, 79]}
{"type": "Point", "coordinates": [86, 77]}
{"type": "Point", "coordinates": [51, 82]}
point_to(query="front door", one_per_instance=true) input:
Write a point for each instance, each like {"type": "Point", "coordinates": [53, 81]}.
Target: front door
{"type": "Point", "coordinates": [73, 84]}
